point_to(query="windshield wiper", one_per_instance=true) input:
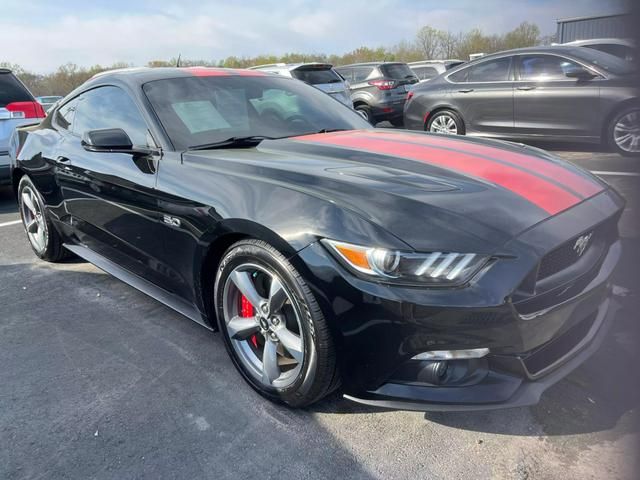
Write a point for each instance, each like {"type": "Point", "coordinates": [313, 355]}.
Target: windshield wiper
{"type": "Point", "coordinates": [324, 130]}
{"type": "Point", "coordinates": [233, 142]}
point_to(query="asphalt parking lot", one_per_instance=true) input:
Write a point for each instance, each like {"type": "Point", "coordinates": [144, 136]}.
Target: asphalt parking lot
{"type": "Point", "coordinates": [99, 381]}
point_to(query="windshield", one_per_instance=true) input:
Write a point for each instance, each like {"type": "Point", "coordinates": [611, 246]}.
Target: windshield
{"type": "Point", "coordinates": [203, 110]}
{"type": "Point", "coordinates": [316, 75]}
{"type": "Point", "coordinates": [607, 62]}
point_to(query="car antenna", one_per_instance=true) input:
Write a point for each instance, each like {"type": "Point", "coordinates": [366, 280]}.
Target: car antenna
{"type": "Point", "coordinates": [178, 61]}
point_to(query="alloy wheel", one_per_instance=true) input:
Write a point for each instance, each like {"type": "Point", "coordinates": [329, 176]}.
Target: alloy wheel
{"type": "Point", "coordinates": [263, 324]}
{"type": "Point", "coordinates": [444, 124]}
{"type": "Point", "coordinates": [33, 219]}
{"type": "Point", "coordinates": [626, 132]}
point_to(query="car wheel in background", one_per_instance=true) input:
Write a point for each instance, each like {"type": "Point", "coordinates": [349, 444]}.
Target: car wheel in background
{"type": "Point", "coordinates": [365, 111]}
{"type": "Point", "coordinates": [446, 122]}
{"type": "Point", "coordinates": [272, 325]}
{"type": "Point", "coordinates": [44, 239]}
{"type": "Point", "coordinates": [623, 134]}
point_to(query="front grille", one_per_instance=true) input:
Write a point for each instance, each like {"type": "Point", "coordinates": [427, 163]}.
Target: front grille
{"type": "Point", "coordinates": [570, 252]}
{"type": "Point", "coordinates": [553, 351]}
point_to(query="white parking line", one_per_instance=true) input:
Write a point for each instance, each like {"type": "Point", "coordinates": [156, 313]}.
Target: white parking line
{"type": "Point", "coordinates": [616, 174]}
{"type": "Point", "coordinates": [14, 222]}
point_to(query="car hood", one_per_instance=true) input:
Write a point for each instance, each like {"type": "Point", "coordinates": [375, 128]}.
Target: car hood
{"type": "Point", "coordinates": [430, 191]}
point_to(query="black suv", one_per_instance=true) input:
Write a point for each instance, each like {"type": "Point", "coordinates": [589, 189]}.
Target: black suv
{"type": "Point", "coordinates": [379, 89]}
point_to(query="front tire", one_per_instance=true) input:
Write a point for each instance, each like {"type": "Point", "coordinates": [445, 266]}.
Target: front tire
{"type": "Point", "coordinates": [44, 239]}
{"type": "Point", "coordinates": [272, 325]}
{"type": "Point", "coordinates": [623, 133]}
{"type": "Point", "coordinates": [446, 122]}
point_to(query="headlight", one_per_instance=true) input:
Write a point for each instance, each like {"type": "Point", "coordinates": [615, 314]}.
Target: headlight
{"type": "Point", "coordinates": [434, 268]}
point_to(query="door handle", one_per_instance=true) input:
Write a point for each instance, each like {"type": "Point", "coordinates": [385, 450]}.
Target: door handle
{"type": "Point", "coordinates": [527, 87]}
{"type": "Point", "coordinates": [466, 90]}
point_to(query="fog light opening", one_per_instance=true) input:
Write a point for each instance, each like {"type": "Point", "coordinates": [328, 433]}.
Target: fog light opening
{"type": "Point", "coordinates": [441, 355]}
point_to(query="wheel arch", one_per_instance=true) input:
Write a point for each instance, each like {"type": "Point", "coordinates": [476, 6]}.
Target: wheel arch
{"type": "Point", "coordinates": [631, 102]}
{"type": "Point", "coordinates": [439, 109]}
{"type": "Point", "coordinates": [16, 176]}
{"type": "Point", "coordinates": [216, 243]}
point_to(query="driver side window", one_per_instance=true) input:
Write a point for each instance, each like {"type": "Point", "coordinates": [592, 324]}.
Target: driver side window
{"type": "Point", "coordinates": [110, 107]}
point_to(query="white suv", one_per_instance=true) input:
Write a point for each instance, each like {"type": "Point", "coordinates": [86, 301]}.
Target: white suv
{"type": "Point", "coordinates": [320, 75]}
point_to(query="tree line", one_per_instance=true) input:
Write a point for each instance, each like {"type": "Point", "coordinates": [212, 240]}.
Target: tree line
{"type": "Point", "coordinates": [429, 43]}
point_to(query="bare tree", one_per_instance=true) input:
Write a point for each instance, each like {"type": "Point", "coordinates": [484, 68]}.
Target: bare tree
{"type": "Point", "coordinates": [428, 42]}
{"type": "Point", "coordinates": [448, 43]}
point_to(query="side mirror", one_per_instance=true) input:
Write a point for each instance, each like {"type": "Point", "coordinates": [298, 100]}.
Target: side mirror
{"type": "Point", "coordinates": [580, 74]}
{"type": "Point", "coordinates": [113, 140]}
{"type": "Point", "coordinates": [107, 140]}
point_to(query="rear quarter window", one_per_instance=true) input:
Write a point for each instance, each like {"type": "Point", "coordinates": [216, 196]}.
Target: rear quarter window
{"type": "Point", "coordinates": [11, 90]}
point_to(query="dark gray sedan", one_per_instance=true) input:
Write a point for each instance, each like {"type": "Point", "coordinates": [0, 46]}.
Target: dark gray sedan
{"type": "Point", "coordinates": [551, 93]}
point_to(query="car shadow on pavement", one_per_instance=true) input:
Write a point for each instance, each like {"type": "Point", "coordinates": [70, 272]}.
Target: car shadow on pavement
{"type": "Point", "coordinates": [99, 381]}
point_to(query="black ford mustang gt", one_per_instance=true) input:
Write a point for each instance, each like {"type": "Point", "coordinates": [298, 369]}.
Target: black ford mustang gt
{"type": "Point", "coordinates": [410, 269]}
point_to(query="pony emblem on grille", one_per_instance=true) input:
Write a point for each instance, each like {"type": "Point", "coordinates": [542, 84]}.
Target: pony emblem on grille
{"type": "Point", "coordinates": [582, 243]}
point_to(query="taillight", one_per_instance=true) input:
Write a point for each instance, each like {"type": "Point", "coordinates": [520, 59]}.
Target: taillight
{"type": "Point", "coordinates": [25, 110]}
{"type": "Point", "coordinates": [383, 84]}
{"type": "Point", "coordinates": [410, 95]}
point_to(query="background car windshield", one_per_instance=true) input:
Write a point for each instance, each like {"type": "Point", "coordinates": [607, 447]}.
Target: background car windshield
{"type": "Point", "coordinates": [316, 76]}
{"type": "Point", "coordinates": [203, 110]}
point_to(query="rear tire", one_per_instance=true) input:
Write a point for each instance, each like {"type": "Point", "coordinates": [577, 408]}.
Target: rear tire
{"type": "Point", "coordinates": [365, 111]}
{"type": "Point", "coordinates": [260, 321]}
{"type": "Point", "coordinates": [623, 132]}
{"type": "Point", "coordinates": [44, 239]}
{"type": "Point", "coordinates": [446, 122]}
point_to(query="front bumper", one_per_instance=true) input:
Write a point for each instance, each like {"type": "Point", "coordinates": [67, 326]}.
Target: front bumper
{"type": "Point", "coordinates": [379, 328]}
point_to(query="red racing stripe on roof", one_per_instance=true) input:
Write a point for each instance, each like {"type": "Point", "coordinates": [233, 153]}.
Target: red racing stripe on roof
{"type": "Point", "coordinates": [545, 195]}
{"type": "Point", "coordinates": [573, 180]}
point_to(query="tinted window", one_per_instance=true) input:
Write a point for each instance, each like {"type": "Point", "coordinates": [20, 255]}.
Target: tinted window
{"type": "Point", "coordinates": [64, 115]}
{"type": "Point", "coordinates": [620, 51]}
{"type": "Point", "coordinates": [110, 107]}
{"type": "Point", "coordinates": [490, 71]}
{"type": "Point", "coordinates": [316, 76]}
{"type": "Point", "coordinates": [425, 73]}
{"type": "Point", "coordinates": [397, 71]}
{"type": "Point", "coordinates": [605, 61]}
{"type": "Point", "coordinates": [460, 76]}
{"type": "Point", "coordinates": [546, 67]}
{"type": "Point", "coordinates": [11, 90]}
{"type": "Point", "coordinates": [203, 110]}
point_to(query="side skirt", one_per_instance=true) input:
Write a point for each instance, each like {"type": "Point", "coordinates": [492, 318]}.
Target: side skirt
{"type": "Point", "coordinates": [146, 287]}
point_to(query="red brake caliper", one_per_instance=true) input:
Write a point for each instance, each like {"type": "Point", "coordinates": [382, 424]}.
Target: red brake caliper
{"type": "Point", "coordinates": [246, 310]}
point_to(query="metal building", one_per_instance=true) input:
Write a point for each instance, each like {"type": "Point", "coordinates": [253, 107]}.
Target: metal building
{"type": "Point", "coordinates": [586, 28]}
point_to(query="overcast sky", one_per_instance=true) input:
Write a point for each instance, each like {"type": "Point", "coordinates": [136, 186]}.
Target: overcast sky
{"type": "Point", "coordinates": [41, 35]}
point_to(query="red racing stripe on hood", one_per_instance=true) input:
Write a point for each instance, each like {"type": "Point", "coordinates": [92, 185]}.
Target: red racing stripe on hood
{"type": "Point", "coordinates": [572, 180]}
{"type": "Point", "coordinates": [545, 195]}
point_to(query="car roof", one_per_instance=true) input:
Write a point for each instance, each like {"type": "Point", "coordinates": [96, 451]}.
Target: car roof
{"type": "Point", "coordinates": [289, 66]}
{"type": "Point", "coordinates": [370, 64]}
{"type": "Point", "coordinates": [599, 41]}
{"type": "Point", "coordinates": [141, 75]}
{"type": "Point", "coordinates": [425, 62]}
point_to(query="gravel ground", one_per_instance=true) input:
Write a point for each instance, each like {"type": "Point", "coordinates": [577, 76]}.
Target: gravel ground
{"type": "Point", "coordinates": [99, 381]}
